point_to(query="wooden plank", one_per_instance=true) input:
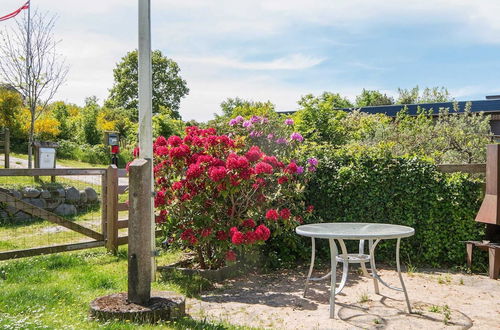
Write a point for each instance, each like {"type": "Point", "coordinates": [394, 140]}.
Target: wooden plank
{"type": "Point", "coordinates": [46, 215]}
{"type": "Point", "coordinates": [112, 208]}
{"type": "Point", "coordinates": [122, 224]}
{"type": "Point", "coordinates": [104, 204]}
{"type": "Point", "coordinates": [51, 171]}
{"type": "Point", "coordinates": [122, 189]}
{"type": "Point", "coordinates": [122, 207]}
{"type": "Point", "coordinates": [6, 148]}
{"type": "Point", "coordinates": [139, 233]}
{"type": "Point", "coordinates": [465, 168]}
{"type": "Point", "coordinates": [49, 249]}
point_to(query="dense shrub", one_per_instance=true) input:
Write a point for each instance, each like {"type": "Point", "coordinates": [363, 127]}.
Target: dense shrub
{"type": "Point", "coordinates": [370, 185]}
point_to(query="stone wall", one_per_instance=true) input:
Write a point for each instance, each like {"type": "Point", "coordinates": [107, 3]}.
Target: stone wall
{"type": "Point", "coordinates": [67, 201]}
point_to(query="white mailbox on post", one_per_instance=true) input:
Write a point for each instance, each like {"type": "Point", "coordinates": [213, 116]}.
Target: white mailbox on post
{"type": "Point", "coordinates": [47, 157]}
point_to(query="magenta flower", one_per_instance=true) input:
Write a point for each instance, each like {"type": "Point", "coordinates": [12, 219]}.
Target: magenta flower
{"type": "Point", "coordinates": [239, 119]}
{"type": "Point", "coordinates": [233, 122]}
{"type": "Point", "coordinates": [297, 137]}
{"type": "Point", "coordinates": [289, 121]}
{"type": "Point", "coordinates": [270, 136]}
{"type": "Point", "coordinates": [281, 141]}
{"type": "Point", "coordinates": [312, 161]}
{"type": "Point", "coordinates": [247, 123]}
{"type": "Point", "coordinates": [255, 119]}
{"type": "Point", "coordinates": [300, 170]}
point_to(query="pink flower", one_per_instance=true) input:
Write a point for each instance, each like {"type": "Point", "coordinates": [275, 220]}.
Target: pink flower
{"type": "Point", "coordinates": [282, 180]}
{"type": "Point", "coordinates": [177, 185]}
{"type": "Point", "coordinates": [221, 235]}
{"type": "Point", "coordinates": [249, 223]}
{"type": "Point", "coordinates": [174, 141]}
{"type": "Point", "coordinates": [161, 151]}
{"type": "Point", "coordinates": [289, 121]}
{"type": "Point", "coordinates": [272, 215]}
{"type": "Point", "coordinates": [160, 141]}
{"type": "Point", "coordinates": [205, 232]}
{"type": "Point", "coordinates": [297, 137]}
{"type": "Point", "coordinates": [254, 154]}
{"type": "Point", "coordinates": [217, 173]}
{"type": "Point", "coordinates": [263, 167]}
{"type": "Point", "coordinates": [291, 168]}
{"type": "Point", "coordinates": [193, 171]}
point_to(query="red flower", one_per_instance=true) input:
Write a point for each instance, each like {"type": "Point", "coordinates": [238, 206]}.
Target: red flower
{"type": "Point", "coordinates": [174, 141]}
{"type": "Point", "coordinates": [161, 151]}
{"type": "Point", "coordinates": [250, 237]}
{"type": "Point", "coordinates": [291, 168]}
{"type": "Point", "coordinates": [282, 180]}
{"type": "Point", "coordinates": [310, 208]}
{"type": "Point", "coordinates": [136, 152]}
{"type": "Point", "coordinates": [177, 185]}
{"type": "Point", "coordinates": [186, 197]}
{"type": "Point", "coordinates": [285, 214]}
{"type": "Point", "coordinates": [230, 255]}
{"type": "Point", "coordinates": [160, 141]}
{"type": "Point", "coordinates": [221, 235]}
{"type": "Point", "coordinates": [160, 198]}
{"type": "Point", "coordinates": [263, 168]}
{"type": "Point", "coordinates": [249, 223]}
{"type": "Point", "coordinates": [217, 173]}
{"type": "Point", "coordinates": [205, 232]}
{"type": "Point", "coordinates": [254, 154]}
{"type": "Point", "coordinates": [299, 219]}
{"type": "Point", "coordinates": [272, 215]}
{"type": "Point", "coordinates": [262, 233]}
{"type": "Point", "coordinates": [179, 152]}
{"type": "Point", "coordinates": [272, 160]}
{"type": "Point", "coordinates": [193, 171]}
{"type": "Point", "coordinates": [187, 234]}
{"type": "Point", "coordinates": [232, 230]}
{"type": "Point", "coordinates": [238, 238]}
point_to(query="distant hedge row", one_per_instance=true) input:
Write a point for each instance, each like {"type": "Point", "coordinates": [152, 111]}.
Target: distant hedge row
{"type": "Point", "coordinates": [372, 186]}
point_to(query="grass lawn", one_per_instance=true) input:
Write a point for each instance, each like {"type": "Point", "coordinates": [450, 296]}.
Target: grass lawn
{"type": "Point", "coordinates": [64, 162]}
{"type": "Point", "coordinates": [54, 291]}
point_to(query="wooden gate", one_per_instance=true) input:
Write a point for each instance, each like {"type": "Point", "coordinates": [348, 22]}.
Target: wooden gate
{"type": "Point", "coordinates": [111, 210]}
{"type": "Point", "coordinates": [5, 145]}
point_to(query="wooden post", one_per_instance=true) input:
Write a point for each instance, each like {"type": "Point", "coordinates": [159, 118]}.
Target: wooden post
{"type": "Point", "coordinates": [7, 147]}
{"type": "Point", "coordinates": [139, 233]}
{"type": "Point", "coordinates": [112, 209]}
{"type": "Point", "coordinates": [104, 203]}
{"type": "Point", "coordinates": [145, 82]}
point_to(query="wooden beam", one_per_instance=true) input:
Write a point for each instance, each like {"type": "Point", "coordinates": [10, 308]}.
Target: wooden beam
{"type": "Point", "coordinates": [46, 215]}
{"type": "Point", "coordinates": [139, 233]}
{"type": "Point", "coordinates": [6, 148]}
{"type": "Point", "coordinates": [465, 168]}
{"type": "Point", "coordinates": [122, 224]}
{"type": "Point", "coordinates": [111, 208]}
{"type": "Point", "coordinates": [49, 249]}
{"type": "Point", "coordinates": [51, 171]}
{"type": "Point", "coordinates": [122, 207]}
{"type": "Point", "coordinates": [122, 189]}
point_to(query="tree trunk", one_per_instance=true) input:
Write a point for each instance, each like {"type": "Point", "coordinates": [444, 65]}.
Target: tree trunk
{"type": "Point", "coordinates": [31, 139]}
{"type": "Point", "coordinates": [201, 258]}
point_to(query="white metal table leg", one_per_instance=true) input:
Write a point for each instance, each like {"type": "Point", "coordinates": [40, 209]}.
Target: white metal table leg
{"type": "Point", "coordinates": [313, 254]}
{"type": "Point", "coordinates": [362, 251]}
{"type": "Point", "coordinates": [372, 264]}
{"type": "Point", "coordinates": [401, 277]}
{"type": "Point", "coordinates": [345, 268]}
{"type": "Point", "coordinates": [333, 256]}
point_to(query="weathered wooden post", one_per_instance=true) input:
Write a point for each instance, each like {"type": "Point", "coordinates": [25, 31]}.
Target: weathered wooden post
{"type": "Point", "coordinates": [7, 147]}
{"type": "Point", "coordinates": [139, 233]}
{"type": "Point", "coordinates": [112, 209]}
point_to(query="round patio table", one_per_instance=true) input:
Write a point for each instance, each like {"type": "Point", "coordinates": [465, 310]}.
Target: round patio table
{"type": "Point", "coordinates": [373, 232]}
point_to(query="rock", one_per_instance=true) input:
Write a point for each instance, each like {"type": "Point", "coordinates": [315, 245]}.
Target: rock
{"type": "Point", "coordinates": [53, 203]}
{"type": "Point", "coordinates": [65, 210]}
{"type": "Point", "coordinates": [83, 197]}
{"type": "Point", "coordinates": [4, 216]}
{"type": "Point", "coordinates": [72, 195]}
{"type": "Point", "coordinates": [91, 195]}
{"type": "Point", "coordinates": [29, 192]}
{"type": "Point", "coordinates": [58, 193]}
{"type": "Point", "coordinates": [15, 193]}
{"type": "Point", "coordinates": [41, 203]}
{"type": "Point", "coordinates": [21, 216]}
{"type": "Point", "coordinates": [45, 194]}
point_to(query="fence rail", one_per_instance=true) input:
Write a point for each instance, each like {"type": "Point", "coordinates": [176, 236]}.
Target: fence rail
{"type": "Point", "coordinates": [465, 168]}
{"type": "Point", "coordinates": [5, 145]}
{"type": "Point", "coordinates": [108, 219]}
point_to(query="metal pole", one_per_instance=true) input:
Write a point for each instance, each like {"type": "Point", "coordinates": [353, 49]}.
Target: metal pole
{"type": "Point", "coordinates": [145, 105]}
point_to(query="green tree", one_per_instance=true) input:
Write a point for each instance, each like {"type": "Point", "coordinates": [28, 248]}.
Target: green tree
{"type": "Point", "coordinates": [245, 108]}
{"type": "Point", "coordinates": [165, 125]}
{"type": "Point", "coordinates": [89, 132]}
{"type": "Point", "coordinates": [429, 95]}
{"type": "Point", "coordinates": [320, 118]}
{"type": "Point", "coordinates": [10, 103]}
{"type": "Point", "coordinates": [168, 86]}
{"type": "Point", "coordinates": [373, 98]}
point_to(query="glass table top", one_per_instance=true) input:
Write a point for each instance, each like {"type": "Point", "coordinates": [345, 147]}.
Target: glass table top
{"type": "Point", "coordinates": [354, 230]}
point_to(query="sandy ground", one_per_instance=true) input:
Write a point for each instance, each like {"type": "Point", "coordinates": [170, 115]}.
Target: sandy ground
{"type": "Point", "coordinates": [439, 301]}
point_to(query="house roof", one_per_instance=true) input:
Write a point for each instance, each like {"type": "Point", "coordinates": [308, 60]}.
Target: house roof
{"type": "Point", "coordinates": [487, 106]}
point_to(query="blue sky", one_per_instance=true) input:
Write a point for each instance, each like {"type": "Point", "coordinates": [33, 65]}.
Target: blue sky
{"type": "Point", "coordinates": [281, 50]}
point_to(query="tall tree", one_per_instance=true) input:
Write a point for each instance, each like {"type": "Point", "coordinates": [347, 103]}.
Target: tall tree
{"type": "Point", "coordinates": [246, 108]}
{"type": "Point", "coordinates": [30, 63]}
{"type": "Point", "coordinates": [168, 86]}
{"type": "Point", "coordinates": [373, 98]}
{"type": "Point", "coordinates": [10, 103]}
{"type": "Point", "coordinates": [428, 95]}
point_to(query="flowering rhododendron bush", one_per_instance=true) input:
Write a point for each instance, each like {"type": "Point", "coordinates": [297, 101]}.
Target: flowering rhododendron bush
{"type": "Point", "coordinates": [219, 196]}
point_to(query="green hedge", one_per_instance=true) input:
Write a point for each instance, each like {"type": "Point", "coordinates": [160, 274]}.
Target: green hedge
{"type": "Point", "coordinates": [93, 154]}
{"type": "Point", "coordinates": [368, 186]}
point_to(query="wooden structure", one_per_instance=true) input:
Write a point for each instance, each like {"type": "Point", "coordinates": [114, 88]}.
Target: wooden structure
{"type": "Point", "coordinates": [5, 145]}
{"type": "Point", "coordinates": [110, 223]}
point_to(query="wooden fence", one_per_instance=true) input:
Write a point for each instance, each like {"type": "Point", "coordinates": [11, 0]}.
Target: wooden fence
{"type": "Point", "coordinates": [110, 210]}
{"type": "Point", "coordinates": [465, 168]}
{"type": "Point", "coordinates": [5, 145]}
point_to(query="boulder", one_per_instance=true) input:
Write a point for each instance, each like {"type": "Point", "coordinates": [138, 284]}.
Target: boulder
{"type": "Point", "coordinates": [53, 203]}
{"type": "Point", "coordinates": [41, 203]}
{"type": "Point", "coordinates": [16, 193]}
{"type": "Point", "coordinates": [91, 195]}
{"type": "Point", "coordinates": [29, 192]}
{"type": "Point", "coordinates": [65, 210]}
{"type": "Point", "coordinates": [72, 195]}
{"type": "Point", "coordinates": [21, 216]}
{"type": "Point", "coordinates": [83, 197]}
{"type": "Point", "coordinates": [58, 193]}
{"type": "Point", "coordinates": [45, 194]}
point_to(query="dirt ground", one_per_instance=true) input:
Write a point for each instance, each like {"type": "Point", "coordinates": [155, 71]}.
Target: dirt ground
{"type": "Point", "coordinates": [439, 300]}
